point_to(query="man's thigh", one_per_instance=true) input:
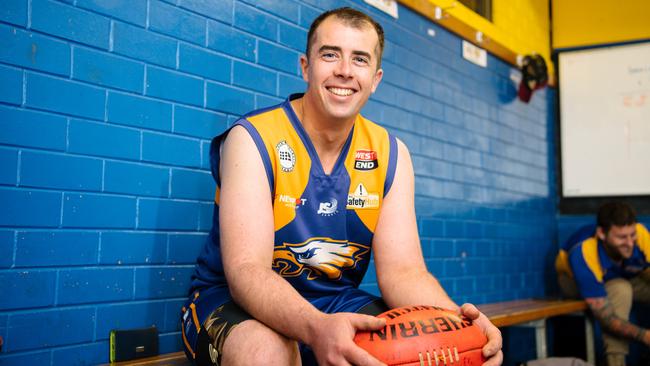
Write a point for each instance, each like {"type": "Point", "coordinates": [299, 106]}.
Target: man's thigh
{"type": "Point", "coordinates": [205, 344]}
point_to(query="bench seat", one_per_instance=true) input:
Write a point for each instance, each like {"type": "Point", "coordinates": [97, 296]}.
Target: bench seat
{"type": "Point", "coordinates": [167, 359]}
{"type": "Point", "coordinates": [534, 312]}
{"type": "Point", "coordinates": [503, 314]}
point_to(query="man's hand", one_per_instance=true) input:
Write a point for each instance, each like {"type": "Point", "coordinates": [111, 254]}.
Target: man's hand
{"type": "Point", "coordinates": [492, 349]}
{"type": "Point", "coordinates": [332, 339]}
{"type": "Point", "coordinates": [645, 339]}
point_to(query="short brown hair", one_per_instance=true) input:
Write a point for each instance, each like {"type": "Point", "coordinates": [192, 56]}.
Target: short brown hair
{"type": "Point", "coordinates": [355, 19]}
{"type": "Point", "coordinates": [615, 214]}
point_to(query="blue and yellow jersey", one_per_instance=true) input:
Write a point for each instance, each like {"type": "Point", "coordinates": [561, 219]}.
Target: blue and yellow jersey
{"type": "Point", "coordinates": [562, 259]}
{"type": "Point", "coordinates": [588, 263]}
{"type": "Point", "coordinates": [324, 223]}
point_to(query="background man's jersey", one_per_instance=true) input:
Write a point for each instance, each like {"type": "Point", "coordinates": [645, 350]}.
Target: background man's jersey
{"type": "Point", "coordinates": [587, 262]}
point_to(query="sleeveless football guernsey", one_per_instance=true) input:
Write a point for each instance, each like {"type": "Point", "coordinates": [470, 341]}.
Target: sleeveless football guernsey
{"type": "Point", "coordinates": [324, 223]}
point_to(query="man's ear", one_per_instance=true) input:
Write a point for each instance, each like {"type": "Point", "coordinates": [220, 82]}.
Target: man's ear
{"type": "Point", "coordinates": [377, 79]}
{"type": "Point", "coordinates": [304, 65]}
{"type": "Point", "coordinates": [600, 233]}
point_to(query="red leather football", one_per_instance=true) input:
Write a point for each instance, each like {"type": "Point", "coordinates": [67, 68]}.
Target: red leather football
{"type": "Point", "coordinates": [425, 335]}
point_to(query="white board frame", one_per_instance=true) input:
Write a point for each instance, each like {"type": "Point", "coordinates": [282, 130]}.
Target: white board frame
{"type": "Point", "coordinates": [605, 121]}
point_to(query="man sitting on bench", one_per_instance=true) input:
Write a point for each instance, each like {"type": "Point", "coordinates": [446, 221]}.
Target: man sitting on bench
{"type": "Point", "coordinates": [607, 265]}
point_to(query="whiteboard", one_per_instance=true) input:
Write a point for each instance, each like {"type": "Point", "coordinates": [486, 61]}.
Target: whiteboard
{"type": "Point", "coordinates": [605, 121]}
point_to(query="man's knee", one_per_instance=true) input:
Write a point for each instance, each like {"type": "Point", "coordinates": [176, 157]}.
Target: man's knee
{"type": "Point", "coordinates": [619, 294]}
{"type": "Point", "coordinates": [253, 343]}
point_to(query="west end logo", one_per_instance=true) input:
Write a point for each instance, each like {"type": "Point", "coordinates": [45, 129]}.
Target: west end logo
{"type": "Point", "coordinates": [286, 156]}
{"type": "Point", "coordinates": [365, 160]}
{"type": "Point", "coordinates": [317, 257]}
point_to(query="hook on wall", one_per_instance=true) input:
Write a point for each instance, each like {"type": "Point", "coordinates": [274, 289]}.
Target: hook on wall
{"type": "Point", "coordinates": [439, 12]}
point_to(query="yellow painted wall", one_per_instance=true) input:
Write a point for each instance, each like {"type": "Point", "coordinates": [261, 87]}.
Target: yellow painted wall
{"type": "Point", "coordinates": [579, 23]}
{"type": "Point", "coordinates": [522, 26]}
{"type": "Point", "coordinates": [525, 24]}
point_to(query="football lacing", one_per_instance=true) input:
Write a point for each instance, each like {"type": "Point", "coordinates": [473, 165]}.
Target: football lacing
{"type": "Point", "coordinates": [441, 358]}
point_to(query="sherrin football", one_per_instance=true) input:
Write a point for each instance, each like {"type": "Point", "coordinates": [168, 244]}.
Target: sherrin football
{"type": "Point", "coordinates": [424, 335]}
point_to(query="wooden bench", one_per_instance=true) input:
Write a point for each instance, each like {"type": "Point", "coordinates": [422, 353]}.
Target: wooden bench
{"type": "Point", "coordinates": [527, 313]}
{"type": "Point", "coordinates": [533, 313]}
{"type": "Point", "coordinates": [168, 359]}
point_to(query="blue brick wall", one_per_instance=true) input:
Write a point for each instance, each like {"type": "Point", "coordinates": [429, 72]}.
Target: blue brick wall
{"type": "Point", "coordinates": [107, 111]}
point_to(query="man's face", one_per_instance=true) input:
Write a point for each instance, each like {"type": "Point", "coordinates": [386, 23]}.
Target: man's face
{"type": "Point", "coordinates": [619, 241]}
{"type": "Point", "coordinates": [341, 70]}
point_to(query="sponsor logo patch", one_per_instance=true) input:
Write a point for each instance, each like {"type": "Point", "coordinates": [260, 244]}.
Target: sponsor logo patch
{"type": "Point", "coordinates": [286, 156]}
{"type": "Point", "coordinates": [329, 208]}
{"type": "Point", "coordinates": [365, 160]}
{"type": "Point", "coordinates": [290, 201]}
{"type": "Point", "coordinates": [360, 198]}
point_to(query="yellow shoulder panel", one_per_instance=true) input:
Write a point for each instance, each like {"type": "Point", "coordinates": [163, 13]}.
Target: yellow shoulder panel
{"type": "Point", "coordinates": [590, 254]}
{"type": "Point", "coordinates": [643, 240]}
{"type": "Point", "coordinates": [370, 142]}
{"type": "Point", "coordinates": [290, 162]}
{"type": "Point", "coordinates": [562, 263]}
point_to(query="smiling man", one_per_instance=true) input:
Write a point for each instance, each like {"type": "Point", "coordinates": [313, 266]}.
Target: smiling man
{"type": "Point", "coordinates": [607, 265]}
{"type": "Point", "coordinates": [306, 191]}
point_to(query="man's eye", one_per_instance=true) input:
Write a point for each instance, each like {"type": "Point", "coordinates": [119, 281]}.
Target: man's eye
{"type": "Point", "coordinates": [361, 60]}
{"type": "Point", "coordinates": [329, 55]}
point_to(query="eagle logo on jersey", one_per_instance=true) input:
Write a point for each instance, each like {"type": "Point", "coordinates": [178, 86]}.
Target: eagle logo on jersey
{"type": "Point", "coordinates": [317, 257]}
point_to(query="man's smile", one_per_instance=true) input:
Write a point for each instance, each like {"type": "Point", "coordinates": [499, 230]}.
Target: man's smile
{"type": "Point", "coordinates": [342, 92]}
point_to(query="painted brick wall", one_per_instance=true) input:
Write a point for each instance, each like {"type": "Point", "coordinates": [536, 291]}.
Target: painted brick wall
{"type": "Point", "coordinates": [106, 113]}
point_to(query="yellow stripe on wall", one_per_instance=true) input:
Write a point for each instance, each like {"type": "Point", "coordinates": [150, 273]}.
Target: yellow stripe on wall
{"type": "Point", "coordinates": [579, 23]}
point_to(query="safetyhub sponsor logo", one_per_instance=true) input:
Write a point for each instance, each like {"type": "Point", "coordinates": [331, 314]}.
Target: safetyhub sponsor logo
{"type": "Point", "coordinates": [365, 160]}
{"type": "Point", "coordinates": [360, 198]}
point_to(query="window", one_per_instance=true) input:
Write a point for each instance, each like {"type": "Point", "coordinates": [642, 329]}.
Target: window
{"type": "Point", "coordinates": [481, 7]}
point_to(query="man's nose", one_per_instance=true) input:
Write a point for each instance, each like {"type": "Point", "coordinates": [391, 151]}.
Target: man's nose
{"type": "Point", "coordinates": [344, 69]}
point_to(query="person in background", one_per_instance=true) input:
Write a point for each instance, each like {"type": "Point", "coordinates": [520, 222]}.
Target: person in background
{"type": "Point", "coordinates": [607, 265]}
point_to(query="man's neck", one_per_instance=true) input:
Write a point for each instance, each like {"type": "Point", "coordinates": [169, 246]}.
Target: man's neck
{"type": "Point", "coordinates": [327, 134]}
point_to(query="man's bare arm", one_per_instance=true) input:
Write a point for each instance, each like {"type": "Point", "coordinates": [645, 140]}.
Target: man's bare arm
{"type": "Point", "coordinates": [401, 271]}
{"type": "Point", "coordinates": [247, 235]}
{"type": "Point", "coordinates": [604, 312]}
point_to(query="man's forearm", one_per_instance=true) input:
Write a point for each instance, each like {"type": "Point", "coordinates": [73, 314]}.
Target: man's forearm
{"type": "Point", "coordinates": [273, 301]}
{"type": "Point", "coordinates": [414, 287]}
{"type": "Point", "coordinates": [604, 312]}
